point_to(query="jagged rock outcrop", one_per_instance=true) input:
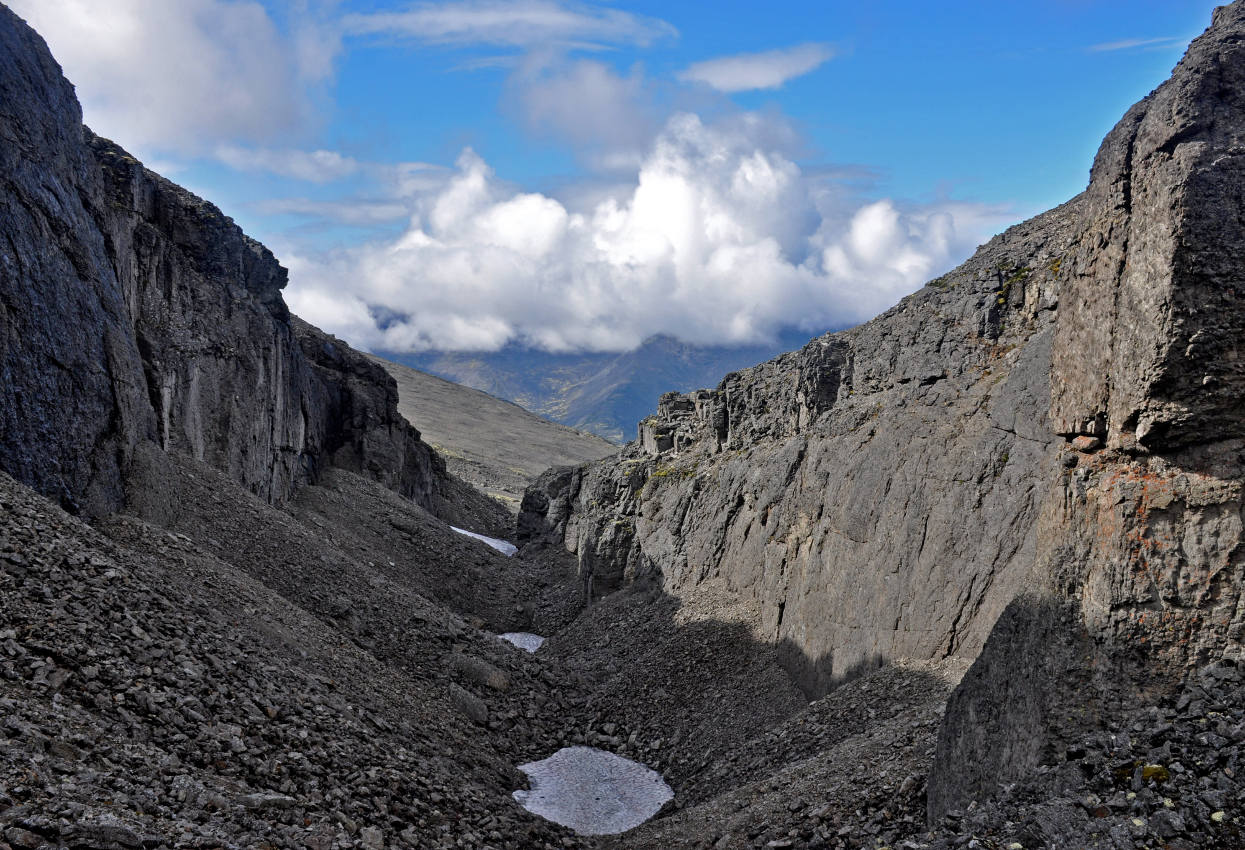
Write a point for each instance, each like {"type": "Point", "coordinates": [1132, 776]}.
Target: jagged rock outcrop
{"type": "Point", "coordinates": [359, 428]}
{"type": "Point", "coordinates": [132, 311]}
{"type": "Point", "coordinates": [1044, 446]}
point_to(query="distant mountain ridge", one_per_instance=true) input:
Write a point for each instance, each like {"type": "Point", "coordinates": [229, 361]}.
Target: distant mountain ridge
{"type": "Point", "coordinates": [604, 393]}
{"type": "Point", "coordinates": [493, 445]}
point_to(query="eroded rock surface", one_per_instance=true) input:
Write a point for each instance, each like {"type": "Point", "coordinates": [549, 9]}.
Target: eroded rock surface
{"type": "Point", "coordinates": [834, 483]}
{"type": "Point", "coordinates": [1043, 446]}
{"type": "Point", "coordinates": [135, 312]}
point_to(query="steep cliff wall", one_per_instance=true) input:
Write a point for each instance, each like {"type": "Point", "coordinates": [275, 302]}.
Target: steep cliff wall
{"type": "Point", "coordinates": [75, 400]}
{"type": "Point", "coordinates": [133, 312]}
{"type": "Point", "coordinates": [221, 368]}
{"type": "Point", "coordinates": [1043, 447]}
{"type": "Point", "coordinates": [1139, 566]}
{"type": "Point", "coordinates": [877, 490]}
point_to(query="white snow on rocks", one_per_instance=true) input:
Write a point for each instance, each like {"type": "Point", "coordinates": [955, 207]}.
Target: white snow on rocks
{"type": "Point", "coordinates": [523, 640]}
{"type": "Point", "coordinates": [502, 546]}
{"type": "Point", "coordinates": [592, 791]}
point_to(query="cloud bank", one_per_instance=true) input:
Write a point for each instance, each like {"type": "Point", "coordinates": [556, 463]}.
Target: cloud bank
{"type": "Point", "coordinates": [751, 71]}
{"type": "Point", "coordinates": [705, 230]}
{"type": "Point", "coordinates": [721, 240]}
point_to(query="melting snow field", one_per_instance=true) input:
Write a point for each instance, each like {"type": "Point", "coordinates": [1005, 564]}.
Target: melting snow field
{"type": "Point", "coordinates": [592, 791]}
{"type": "Point", "coordinates": [523, 640]}
{"type": "Point", "coordinates": [502, 546]}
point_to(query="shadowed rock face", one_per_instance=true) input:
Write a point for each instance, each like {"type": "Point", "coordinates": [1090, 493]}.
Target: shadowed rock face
{"type": "Point", "coordinates": [1043, 447]}
{"type": "Point", "coordinates": [68, 361]}
{"type": "Point", "coordinates": [132, 311]}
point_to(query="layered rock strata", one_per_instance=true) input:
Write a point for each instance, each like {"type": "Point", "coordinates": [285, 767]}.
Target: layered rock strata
{"type": "Point", "coordinates": [834, 484]}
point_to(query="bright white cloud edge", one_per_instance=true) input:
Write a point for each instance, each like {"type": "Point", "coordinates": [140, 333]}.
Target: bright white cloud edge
{"type": "Point", "coordinates": [719, 240]}
{"type": "Point", "coordinates": [182, 77]}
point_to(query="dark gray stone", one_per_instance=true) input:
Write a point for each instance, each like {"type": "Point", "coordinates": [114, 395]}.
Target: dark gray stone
{"type": "Point", "coordinates": [133, 313]}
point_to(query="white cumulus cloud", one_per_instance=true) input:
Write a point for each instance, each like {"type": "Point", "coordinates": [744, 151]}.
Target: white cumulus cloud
{"type": "Point", "coordinates": [766, 70]}
{"type": "Point", "coordinates": [720, 239]}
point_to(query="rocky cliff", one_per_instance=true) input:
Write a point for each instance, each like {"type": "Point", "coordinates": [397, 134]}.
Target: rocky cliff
{"type": "Point", "coordinates": [133, 312]}
{"type": "Point", "coordinates": [1035, 461]}
{"type": "Point", "coordinates": [1138, 571]}
{"type": "Point", "coordinates": [833, 483]}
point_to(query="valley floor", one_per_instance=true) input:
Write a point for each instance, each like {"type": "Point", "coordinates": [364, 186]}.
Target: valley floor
{"type": "Point", "coordinates": [215, 672]}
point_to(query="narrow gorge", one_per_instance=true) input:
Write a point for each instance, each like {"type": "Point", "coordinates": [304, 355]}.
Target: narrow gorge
{"type": "Point", "coordinates": [966, 575]}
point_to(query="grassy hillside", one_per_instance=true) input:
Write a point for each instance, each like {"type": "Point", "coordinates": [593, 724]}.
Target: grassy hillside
{"type": "Point", "coordinates": [492, 444]}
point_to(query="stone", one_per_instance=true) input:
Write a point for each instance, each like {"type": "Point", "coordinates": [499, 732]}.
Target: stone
{"type": "Point", "coordinates": [19, 837]}
{"type": "Point", "coordinates": [107, 834]}
{"type": "Point", "coordinates": [1167, 824]}
{"type": "Point", "coordinates": [266, 801]}
{"type": "Point", "coordinates": [1086, 443]}
{"type": "Point", "coordinates": [478, 671]}
{"type": "Point", "coordinates": [469, 704]}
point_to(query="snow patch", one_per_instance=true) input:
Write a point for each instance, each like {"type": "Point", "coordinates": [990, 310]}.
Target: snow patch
{"type": "Point", "coordinates": [505, 547]}
{"type": "Point", "coordinates": [592, 791]}
{"type": "Point", "coordinates": [523, 640]}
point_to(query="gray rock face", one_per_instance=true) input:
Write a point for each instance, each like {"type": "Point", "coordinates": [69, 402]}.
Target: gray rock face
{"type": "Point", "coordinates": [75, 398]}
{"type": "Point", "coordinates": [1139, 544]}
{"type": "Point", "coordinates": [1150, 342]}
{"type": "Point", "coordinates": [132, 311]}
{"type": "Point", "coordinates": [220, 367]}
{"type": "Point", "coordinates": [833, 483]}
{"type": "Point", "coordinates": [1044, 446]}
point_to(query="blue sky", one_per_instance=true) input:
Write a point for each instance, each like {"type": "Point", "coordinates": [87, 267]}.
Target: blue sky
{"type": "Point", "coordinates": [581, 175]}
